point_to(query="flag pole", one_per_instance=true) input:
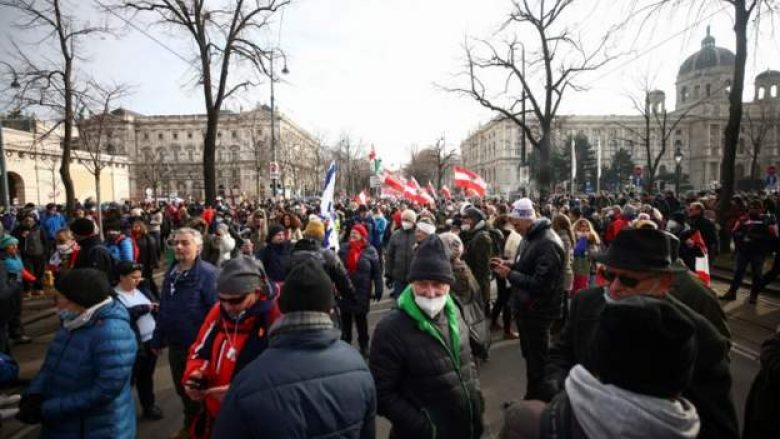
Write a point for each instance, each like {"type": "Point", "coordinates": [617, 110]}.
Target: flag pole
{"type": "Point", "coordinates": [573, 167]}
{"type": "Point", "coordinates": [598, 167]}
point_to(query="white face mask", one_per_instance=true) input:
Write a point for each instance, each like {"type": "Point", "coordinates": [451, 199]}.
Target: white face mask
{"type": "Point", "coordinates": [465, 227]}
{"type": "Point", "coordinates": [432, 307]}
{"type": "Point", "coordinates": [406, 225]}
{"type": "Point", "coordinates": [65, 248]}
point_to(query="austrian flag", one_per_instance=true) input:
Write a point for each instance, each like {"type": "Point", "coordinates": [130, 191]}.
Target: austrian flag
{"type": "Point", "coordinates": [467, 179]}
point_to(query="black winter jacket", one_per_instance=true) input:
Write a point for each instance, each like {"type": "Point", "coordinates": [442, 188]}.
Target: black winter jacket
{"type": "Point", "coordinates": [710, 388]}
{"type": "Point", "coordinates": [762, 410]}
{"type": "Point", "coordinates": [367, 280]}
{"type": "Point", "coordinates": [398, 254]}
{"type": "Point", "coordinates": [708, 232]}
{"type": "Point", "coordinates": [536, 278]}
{"type": "Point", "coordinates": [417, 385]}
{"type": "Point", "coordinates": [308, 248]}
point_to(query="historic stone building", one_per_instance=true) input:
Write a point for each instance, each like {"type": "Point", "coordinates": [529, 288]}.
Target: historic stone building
{"type": "Point", "coordinates": [702, 87]}
{"type": "Point", "coordinates": [33, 155]}
{"type": "Point", "coordinates": [166, 154]}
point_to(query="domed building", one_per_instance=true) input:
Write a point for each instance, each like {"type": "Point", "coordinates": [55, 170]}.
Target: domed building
{"type": "Point", "coordinates": [697, 126]}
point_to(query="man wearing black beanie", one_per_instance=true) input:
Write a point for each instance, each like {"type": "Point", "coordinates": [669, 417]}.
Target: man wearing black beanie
{"type": "Point", "coordinates": [423, 347]}
{"type": "Point", "coordinates": [307, 370]}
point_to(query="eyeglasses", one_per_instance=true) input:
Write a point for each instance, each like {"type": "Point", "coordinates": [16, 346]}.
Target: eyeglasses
{"type": "Point", "coordinates": [610, 276]}
{"type": "Point", "coordinates": [232, 300]}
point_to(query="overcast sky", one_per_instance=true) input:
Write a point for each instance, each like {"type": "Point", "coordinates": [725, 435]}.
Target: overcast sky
{"type": "Point", "coordinates": [369, 68]}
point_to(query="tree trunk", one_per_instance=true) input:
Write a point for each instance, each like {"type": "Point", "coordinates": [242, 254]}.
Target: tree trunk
{"type": "Point", "coordinates": [741, 18]}
{"type": "Point", "coordinates": [67, 140]}
{"type": "Point", "coordinates": [543, 176]}
{"type": "Point", "coordinates": [98, 201]}
{"type": "Point", "coordinates": [209, 158]}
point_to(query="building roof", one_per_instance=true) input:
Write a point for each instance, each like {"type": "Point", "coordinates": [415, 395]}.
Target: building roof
{"type": "Point", "coordinates": [768, 74]}
{"type": "Point", "coordinates": [708, 57]}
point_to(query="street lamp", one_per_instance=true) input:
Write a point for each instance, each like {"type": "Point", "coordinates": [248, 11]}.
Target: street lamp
{"type": "Point", "coordinates": [285, 71]}
{"type": "Point", "coordinates": [4, 197]}
{"type": "Point", "coordinates": [678, 157]}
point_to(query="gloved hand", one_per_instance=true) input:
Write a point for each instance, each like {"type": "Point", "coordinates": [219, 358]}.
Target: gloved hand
{"type": "Point", "coordinates": [30, 408]}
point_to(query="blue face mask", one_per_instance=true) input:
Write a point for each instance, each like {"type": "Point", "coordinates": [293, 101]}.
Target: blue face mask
{"type": "Point", "coordinates": [67, 315]}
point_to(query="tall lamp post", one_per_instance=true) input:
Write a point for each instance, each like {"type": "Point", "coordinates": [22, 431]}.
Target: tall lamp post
{"type": "Point", "coordinates": [678, 157]}
{"type": "Point", "coordinates": [285, 71]}
{"type": "Point", "coordinates": [4, 196]}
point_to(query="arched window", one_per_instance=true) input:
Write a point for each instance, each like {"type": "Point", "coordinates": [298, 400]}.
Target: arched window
{"type": "Point", "coordinates": [708, 89]}
{"type": "Point", "coordinates": [773, 91]}
{"type": "Point", "coordinates": [761, 93]}
{"type": "Point", "coordinates": [684, 94]}
{"type": "Point", "coordinates": [727, 89]}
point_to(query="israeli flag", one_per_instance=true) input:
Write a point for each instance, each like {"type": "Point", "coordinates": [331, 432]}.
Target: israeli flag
{"type": "Point", "coordinates": [327, 210]}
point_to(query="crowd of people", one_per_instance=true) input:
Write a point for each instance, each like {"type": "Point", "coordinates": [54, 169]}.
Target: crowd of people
{"type": "Point", "coordinates": [255, 306]}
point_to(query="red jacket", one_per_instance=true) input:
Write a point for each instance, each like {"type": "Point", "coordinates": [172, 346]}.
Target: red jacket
{"type": "Point", "coordinates": [223, 346]}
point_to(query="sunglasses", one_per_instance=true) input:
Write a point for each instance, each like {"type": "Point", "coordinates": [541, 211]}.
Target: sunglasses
{"type": "Point", "coordinates": [232, 300]}
{"type": "Point", "coordinates": [610, 276]}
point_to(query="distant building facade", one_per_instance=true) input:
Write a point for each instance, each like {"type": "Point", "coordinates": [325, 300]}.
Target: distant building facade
{"type": "Point", "coordinates": [166, 154]}
{"type": "Point", "coordinates": [33, 155]}
{"type": "Point", "coordinates": [702, 88]}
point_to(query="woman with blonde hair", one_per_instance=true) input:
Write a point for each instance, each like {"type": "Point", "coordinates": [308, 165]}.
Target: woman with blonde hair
{"type": "Point", "coordinates": [586, 246]}
{"type": "Point", "coordinates": [562, 226]}
{"type": "Point", "coordinates": [259, 229]}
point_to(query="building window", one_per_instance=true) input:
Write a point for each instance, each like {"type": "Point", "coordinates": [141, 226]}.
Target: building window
{"type": "Point", "coordinates": [696, 92]}
{"type": "Point", "coordinates": [175, 136]}
{"type": "Point", "coordinates": [191, 155]}
{"type": "Point", "coordinates": [159, 136]}
{"type": "Point", "coordinates": [728, 86]}
{"type": "Point", "coordinates": [761, 93]}
{"type": "Point", "coordinates": [773, 91]}
{"type": "Point", "coordinates": [219, 133]}
{"type": "Point", "coordinates": [233, 134]}
{"type": "Point", "coordinates": [146, 136]}
{"type": "Point", "coordinates": [684, 94]}
{"type": "Point", "coordinates": [189, 135]}
{"type": "Point", "coordinates": [708, 89]}
{"type": "Point", "coordinates": [678, 132]}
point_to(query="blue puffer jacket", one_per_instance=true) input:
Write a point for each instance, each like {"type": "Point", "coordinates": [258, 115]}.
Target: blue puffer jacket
{"type": "Point", "coordinates": [85, 379]}
{"type": "Point", "coordinates": [306, 384]}
{"type": "Point", "coordinates": [53, 223]}
{"type": "Point", "coordinates": [121, 248]}
{"type": "Point", "coordinates": [185, 300]}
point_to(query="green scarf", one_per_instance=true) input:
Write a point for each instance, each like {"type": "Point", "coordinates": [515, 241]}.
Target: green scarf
{"type": "Point", "coordinates": [407, 304]}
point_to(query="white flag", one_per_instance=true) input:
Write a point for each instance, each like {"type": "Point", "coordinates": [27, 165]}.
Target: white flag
{"type": "Point", "coordinates": [573, 161]}
{"type": "Point", "coordinates": [327, 209]}
{"type": "Point", "coordinates": [598, 159]}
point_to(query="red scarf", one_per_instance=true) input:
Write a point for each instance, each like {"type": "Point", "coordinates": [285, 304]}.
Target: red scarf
{"type": "Point", "coordinates": [353, 255]}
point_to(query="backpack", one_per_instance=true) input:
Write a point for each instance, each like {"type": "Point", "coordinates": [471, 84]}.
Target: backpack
{"type": "Point", "coordinates": [111, 271]}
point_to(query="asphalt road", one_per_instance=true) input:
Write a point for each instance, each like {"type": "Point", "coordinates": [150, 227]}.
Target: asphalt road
{"type": "Point", "coordinates": [502, 378]}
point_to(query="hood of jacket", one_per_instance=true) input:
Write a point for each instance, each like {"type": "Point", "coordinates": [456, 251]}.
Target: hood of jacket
{"type": "Point", "coordinates": [538, 227]}
{"type": "Point", "coordinates": [107, 309]}
{"type": "Point", "coordinates": [607, 411]}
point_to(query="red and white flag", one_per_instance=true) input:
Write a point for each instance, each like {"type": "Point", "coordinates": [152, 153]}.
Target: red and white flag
{"type": "Point", "coordinates": [410, 190]}
{"type": "Point", "coordinates": [361, 199]}
{"type": "Point", "coordinates": [431, 189]}
{"type": "Point", "coordinates": [445, 192]}
{"type": "Point", "coordinates": [703, 262]}
{"type": "Point", "coordinates": [393, 183]}
{"type": "Point", "coordinates": [469, 180]}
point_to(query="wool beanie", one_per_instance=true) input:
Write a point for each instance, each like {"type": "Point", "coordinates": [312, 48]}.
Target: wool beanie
{"type": "Point", "coordinates": [240, 276]}
{"type": "Point", "coordinates": [83, 227]}
{"type": "Point", "coordinates": [474, 213]}
{"type": "Point", "coordinates": [84, 286]}
{"type": "Point", "coordinates": [645, 345]}
{"type": "Point", "coordinates": [409, 215]}
{"type": "Point", "coordinates": [307, 288]}
{"type": "Point", "coordinates": [7, 241]}
{"type": "Point", "coordinates": [361, 229]}
{"type": "Point", "coordinates": [315, 230]}
{"type": "Point", "coordinates": [431, 262]}
{"type": "Point", "coordinates": [273, 229]}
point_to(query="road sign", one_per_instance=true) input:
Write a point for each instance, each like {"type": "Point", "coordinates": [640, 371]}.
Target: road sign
{"type": "Point", "coordinates": [374, 181]}
{"type": "Point", "coordinates": [273, 168]}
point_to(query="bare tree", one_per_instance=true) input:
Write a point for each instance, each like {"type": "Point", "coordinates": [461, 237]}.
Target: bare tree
{"type": "Point", "coordinates": [51, 82]}
{"type": "Point", "coordinates": [153, 172]}
{"type": "Point", "coordinates": [559, 58]}
{"type": "Point", "coordinates": [225, 35]}
{"type": "Point", "coordinates": [758, 127]}
{"type": "Point", "coordinates": [348, 154]}
{"type": "Point", "coordinates": [658, 128]}
{"type": "Point", "coordinates": [93, 135]}
{"type": "Point", "coordinates": [443, 160]}
{"type": "Point", "coordinates": [744, 12]}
